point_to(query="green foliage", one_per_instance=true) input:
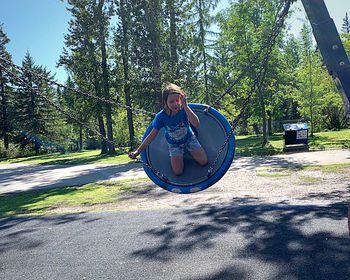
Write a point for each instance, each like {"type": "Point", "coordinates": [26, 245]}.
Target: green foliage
{"type": "Point", "coordinates": [34, 120]}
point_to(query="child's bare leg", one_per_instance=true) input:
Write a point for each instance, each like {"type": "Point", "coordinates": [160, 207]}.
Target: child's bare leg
{"type": "Point", "coordinates": [200, 156]}
{"type": "Point", "coordinates": [177, 163]}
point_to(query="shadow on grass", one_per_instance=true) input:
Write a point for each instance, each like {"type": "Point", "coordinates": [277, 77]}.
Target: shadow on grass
{"type": "Point", "coordinates": [284, 242]}
{"type": "Point", "coordinates": [323, 142]}
{"type": "Point", "coordinates": [73, 158]}
{"type": "Point", "coordinates": [32, 201]}
{"type": "Point", "coordinates": [252, 146]}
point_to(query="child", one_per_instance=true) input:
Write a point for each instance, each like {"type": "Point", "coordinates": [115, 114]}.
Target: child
{"type": "Point", "coordinates": [176, 117]}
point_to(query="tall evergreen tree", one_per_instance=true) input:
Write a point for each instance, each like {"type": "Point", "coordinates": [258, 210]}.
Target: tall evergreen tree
{"type": "Point", "coordinates": [5, 94]}
{"type": "Point", "coordinates": [33, 116]}
{"type": "Point", "coordinates": [122, 39]}
{"type": "Point", "coordinates": [204, 20]}
{"type": "Point", "coordinates": [152, 12]}
{"type": "Point", "coordinates": [86, 57]}
{"type": "Point", "coordinates": [346, 24]}
{"type": "Point", "coordinates": [102, 16]}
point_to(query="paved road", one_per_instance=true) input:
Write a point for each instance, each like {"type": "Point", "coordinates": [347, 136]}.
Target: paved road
{"type": "Point", "coordinates": [200, 243]}
{"type": "Point", "coordinates": [216, 241]}
{"type": "Point", "coordinates": [20, 177]}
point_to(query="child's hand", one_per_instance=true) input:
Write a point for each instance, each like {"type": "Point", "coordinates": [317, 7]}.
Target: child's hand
{"type": "Point", "coordinates": [133, 155]}
{"type": "Point", "coordinates": [183, 98]}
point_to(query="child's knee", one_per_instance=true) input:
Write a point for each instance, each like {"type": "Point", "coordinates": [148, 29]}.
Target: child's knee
{"type": "Point", "coordinates": [203, 161]}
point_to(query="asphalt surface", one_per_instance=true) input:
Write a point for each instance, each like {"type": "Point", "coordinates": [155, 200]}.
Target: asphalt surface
{"type": "Point", "coordinates": [216, 241]}
{"type": "Point", "coordinates": [198, 243]}
{"type": "Point", "coordinates": [22, 177]}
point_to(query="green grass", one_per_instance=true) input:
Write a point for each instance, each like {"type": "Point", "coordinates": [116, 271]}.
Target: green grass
{"type": "Point", "coordinates": [309, 180]}
{"type": "Point", "coordinates": [328, 168]}
{"type": "Point", "coordinates": [273, 175]}
{"type": "Point", "coordinates": [48, 200]}
{"type": "Point", "coordinates": [251, 145]}
{"type": "Point", "coordinates": [245, 146]}
{"type": "Point", "coordinates": [81, 157]}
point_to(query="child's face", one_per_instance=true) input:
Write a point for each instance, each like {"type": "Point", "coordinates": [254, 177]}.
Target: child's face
{"type": "Point", "coordinates": [174, 102]}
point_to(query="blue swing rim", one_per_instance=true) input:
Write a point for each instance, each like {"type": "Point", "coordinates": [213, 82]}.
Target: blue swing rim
{"type": "Point", "coordinates": [211, 179]}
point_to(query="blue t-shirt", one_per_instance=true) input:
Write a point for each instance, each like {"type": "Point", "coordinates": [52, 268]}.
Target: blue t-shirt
{"type": "Point", "coordinates": [177, 128]}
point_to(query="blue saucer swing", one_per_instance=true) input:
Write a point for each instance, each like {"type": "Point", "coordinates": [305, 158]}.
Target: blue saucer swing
{"type": "Point", "coordinates": [213, 131]}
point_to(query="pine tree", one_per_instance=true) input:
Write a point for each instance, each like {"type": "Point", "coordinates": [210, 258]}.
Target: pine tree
{"type": "Point", "coordinates": [5, 94]}
{"type": "Point", "coordinates": [86, 58]}
{"type": "Point", "coordinates": [122, 39]}
{"type": "Point", "coordinates": [346, 24]}
{"type": "Point", "coordinates": [34, 118]}
{"type": "Point", "coordinates": [202, 9]}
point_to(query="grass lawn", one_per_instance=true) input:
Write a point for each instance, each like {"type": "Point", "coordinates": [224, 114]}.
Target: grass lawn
{"type": "Point", "coordinates": [47, 201]}
{"type": "Point", "coordinates": [251, 145]}
{"type": "Point", "coordinates": [245, 146]}
{"type": "Point", "coordinates": [81, 157]}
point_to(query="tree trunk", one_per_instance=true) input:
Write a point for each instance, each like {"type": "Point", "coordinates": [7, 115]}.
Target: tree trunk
{"type": "Point", "coordinates": [204, 55]}
{"type": "Point", "coordinates": [311, 95]}
{"type": "Point", "coordinates": [262, 106]}
{"type": "Point", "coordinates": [256, 128]}
{"type": "Point", "coordinates": [173, 42]}
{"type": "Point", "coordinates": [152, 19]}
{"type": "Point", "coordinates": [101, 125]}
{"type": "Point", "coordinates": [269, 122]}
{"type": "Point", "coordinates": [5, 120]}
{"type": "Point", "coordinates": [111, 149]}
{"type": "Point", "coordinates": [80, 145]}
{"type": "Point", "coordinates": [125, 57]}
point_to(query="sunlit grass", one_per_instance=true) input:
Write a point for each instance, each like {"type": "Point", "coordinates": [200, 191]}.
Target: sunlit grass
{"type": "Point", "coordinates": [48, 200]}
{"type": "Point", "coordinates": [81, 157]}
{"type": "Point", "coordinates": [329, 168]}
{"type": "Point", "coordinates": [309, 180]}
{"type": "Point", "coordinates": [251, 145]}
{"type": "Point", "coordinates": [273, 175]}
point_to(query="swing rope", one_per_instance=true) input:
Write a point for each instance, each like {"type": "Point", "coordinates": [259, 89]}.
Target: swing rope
{"type": "Point", "coordinates": [274, 33]}
{"type": "Point", "coordinates": [100, 99]}
{"type": "Point", "coordinates": [275, 29]}
{"type": "Point", "coordinates": [71, 117]}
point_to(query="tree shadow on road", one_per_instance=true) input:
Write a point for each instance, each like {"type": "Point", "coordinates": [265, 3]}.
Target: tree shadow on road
{"type": "Point", "coordinates": [292, 239]}
{"type": "Point", "coordinates": [16, 235]}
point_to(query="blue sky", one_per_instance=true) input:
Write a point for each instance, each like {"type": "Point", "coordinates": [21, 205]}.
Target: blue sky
{"type": "Point", "coordinates": [38, 26]}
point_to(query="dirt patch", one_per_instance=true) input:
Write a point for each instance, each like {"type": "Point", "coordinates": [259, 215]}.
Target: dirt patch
{"type": "Point", "coordinates": [262, 187]}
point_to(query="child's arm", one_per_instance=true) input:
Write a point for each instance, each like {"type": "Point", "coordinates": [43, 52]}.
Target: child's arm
{"type": "Point", "coordinates": [192, 117]}
{"type": "Point", "coordinates": [150, 137]}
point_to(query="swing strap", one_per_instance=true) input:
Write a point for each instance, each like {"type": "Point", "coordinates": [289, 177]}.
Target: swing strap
{"type": "Point", "coordinates": [100, 99]}
{"type": "Point", "coordinates": [270, 45]}
{"type": "Point", "coordinates": [273, 33]}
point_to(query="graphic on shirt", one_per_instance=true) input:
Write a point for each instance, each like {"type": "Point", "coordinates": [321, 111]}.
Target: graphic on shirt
{"type": "Point", "coordinates": [177, 129]}
{"type": "Point", "coordinates": [178, 132]}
